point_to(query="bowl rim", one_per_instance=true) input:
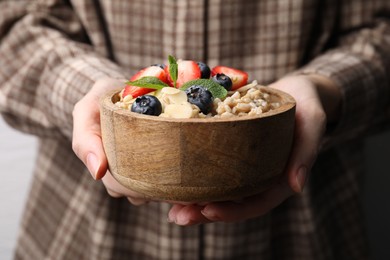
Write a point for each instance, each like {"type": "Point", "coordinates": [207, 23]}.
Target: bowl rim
{"type": "Point", "coordinates": [288, 103]}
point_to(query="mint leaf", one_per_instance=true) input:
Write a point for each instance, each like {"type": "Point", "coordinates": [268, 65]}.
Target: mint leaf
{"type": "Point", "coordinates": [173, 69]}
{"type": "Point", "coordinates": [148, 82]}
{"type": "Point", "coordinates": [216, 90]}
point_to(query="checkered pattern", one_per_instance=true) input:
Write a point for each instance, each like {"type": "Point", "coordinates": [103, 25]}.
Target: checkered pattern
{"type": "Point", "coordinates": [52, 51]}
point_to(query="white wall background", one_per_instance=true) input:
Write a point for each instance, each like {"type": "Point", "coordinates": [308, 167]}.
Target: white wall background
{"type": "Point", "coordinates": [17, 155]}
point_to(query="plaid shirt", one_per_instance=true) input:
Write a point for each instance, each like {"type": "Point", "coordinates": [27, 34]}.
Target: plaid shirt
{"type": "Point", "coordinates": [52, 51]}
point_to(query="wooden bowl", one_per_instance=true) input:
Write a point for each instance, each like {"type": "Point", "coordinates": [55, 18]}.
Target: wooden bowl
{"type": "Point", "coordinates": [196, 160]}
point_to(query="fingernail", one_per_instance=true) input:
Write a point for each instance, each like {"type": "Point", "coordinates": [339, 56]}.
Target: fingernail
{"type": "Point", "coordinates": [92, 164]}
{"type": "Point", "coordinates": [301, 177]}
{"type": "Point", "coordinates": [182, 221]}
{"type": "Point", "coordinates": [209, 214]}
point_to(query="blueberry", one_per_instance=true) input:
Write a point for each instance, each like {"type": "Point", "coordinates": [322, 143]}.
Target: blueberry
{"type": "Point", "coordinates": [223, 80]}
{"type": "Point", "coordinates": [205, 71]}
{"type": "Point", "coordinates": [159, 65]}
{"type": "Point", "coordinates": [147, 105]}
{"type": "Point", "coordinates": [200, 97]}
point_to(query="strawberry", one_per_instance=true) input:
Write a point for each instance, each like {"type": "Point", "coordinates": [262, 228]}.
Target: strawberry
{"type": "Point", "coordinates": [187, 70]}
{"type": "Point", "coordinates": [238, 77]}
{"type": "Point", "coordinates": [154, 71]}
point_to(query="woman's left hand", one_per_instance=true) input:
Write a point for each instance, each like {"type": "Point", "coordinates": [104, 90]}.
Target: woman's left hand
{"type": "Point", "coordinates": [310, 122]}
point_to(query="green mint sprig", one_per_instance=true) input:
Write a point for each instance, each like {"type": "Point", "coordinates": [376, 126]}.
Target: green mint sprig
{"type": "Point", "coordinates": [216, 90]}
{"type": "Point", "coordinates": [148, 82]}
{"type": "Point", "coordinates": [173, 69]}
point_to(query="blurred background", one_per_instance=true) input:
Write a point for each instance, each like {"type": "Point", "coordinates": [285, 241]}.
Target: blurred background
{"type": "Point", "coordinates": [17, 155]}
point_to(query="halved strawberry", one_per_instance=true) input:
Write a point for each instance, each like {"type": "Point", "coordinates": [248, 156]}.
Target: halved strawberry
{"type": "Point", "coordinates": [187, 70]}
{"type": "Point", "coordinates": [154, 71]}
{"type": "Point", "coordinates": [238, 77]}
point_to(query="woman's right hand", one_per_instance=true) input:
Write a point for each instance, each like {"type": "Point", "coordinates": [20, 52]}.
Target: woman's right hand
{"type": "Point", "coordinates": [87, 141]}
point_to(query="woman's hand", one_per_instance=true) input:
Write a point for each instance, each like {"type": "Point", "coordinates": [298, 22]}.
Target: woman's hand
{"type": "Point", "coordinates": [311, 118]}
{"type": "Point", "coordinates": [87, 140]}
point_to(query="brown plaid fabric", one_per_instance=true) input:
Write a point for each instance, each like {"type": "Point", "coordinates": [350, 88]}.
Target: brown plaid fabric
{"type": "Point", "coordinates": [52, 51]}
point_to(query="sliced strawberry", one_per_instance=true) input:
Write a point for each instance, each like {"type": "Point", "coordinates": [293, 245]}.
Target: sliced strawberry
{"type": "Point", "coordinates": [136, 91]}
{"type": "Point", "coordinates": [154, 71]}
{"type": "Point", "coordinates": [238, 77]}
{"type": "Point", "coordinates": [187, 70]}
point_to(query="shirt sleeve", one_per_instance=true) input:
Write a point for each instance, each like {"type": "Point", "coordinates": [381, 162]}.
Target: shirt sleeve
{"type": "Point", "coordinates": [46, 66]}
{"type": "Point", "coordinates": [359, 64]}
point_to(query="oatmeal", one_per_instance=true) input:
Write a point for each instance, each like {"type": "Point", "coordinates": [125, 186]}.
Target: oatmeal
{"type": "Point", "coordinates": [248, 100]}
{"type": "Point", "coordinates": [190, 89]}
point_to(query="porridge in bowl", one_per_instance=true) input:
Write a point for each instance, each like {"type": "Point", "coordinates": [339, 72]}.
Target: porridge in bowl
{"type": "Point", "coordinates": [202, 143]}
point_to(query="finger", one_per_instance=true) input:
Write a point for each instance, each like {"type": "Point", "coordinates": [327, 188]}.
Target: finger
{"type": "Point", "coordinates": [87, 142]}
{"type": "Point", "coordinates": [309, 129]}
{"type": "Point", "coordinates": [137, 201]}
{"type": "Point", "coordinates": [113, 193]}
{"type": "Point", "coordinates": [174, 211]}
{"type": "Point", "coordinates": [186, 215]}
{"type": "Point", "coordinates": [114, 186]}
{"type": "Point", "coordinates": [116, 190]}
{"type": "Point", "coordinates": [250, 207]}
{"type": "Point", "coordinates": [134, 201]}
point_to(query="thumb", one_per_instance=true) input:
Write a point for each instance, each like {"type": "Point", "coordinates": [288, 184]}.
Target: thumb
{"type": "Point", "coordinates": [310, 122]}
{"type": "Point", "coordinates": [87, 141]}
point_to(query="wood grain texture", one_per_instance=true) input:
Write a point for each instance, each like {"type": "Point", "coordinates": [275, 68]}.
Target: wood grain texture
{"type": "Point", "coordinates": [194, 160]}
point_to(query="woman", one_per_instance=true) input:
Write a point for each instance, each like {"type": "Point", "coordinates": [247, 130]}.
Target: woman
{"type": "Point", "coordinates": [58, 57]}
